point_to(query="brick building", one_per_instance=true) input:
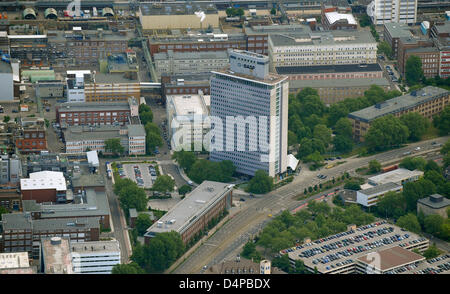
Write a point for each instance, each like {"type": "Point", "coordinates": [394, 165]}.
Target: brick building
{"type": "Point", "coordinates": [192, 215]}
{"type": "Point", "coordinates": [393, 31]}
{"type": "Point", "coordinates": [428, 102]}
{"type": "Point", "coordinates": [44, 186]}
{"type": "Point", "coordinates": [423, 48]}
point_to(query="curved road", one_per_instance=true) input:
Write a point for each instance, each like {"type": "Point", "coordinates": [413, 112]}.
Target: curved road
{"type": "Point", "coordinates": [254, 215]}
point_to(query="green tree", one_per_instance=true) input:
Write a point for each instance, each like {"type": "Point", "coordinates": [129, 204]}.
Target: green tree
{"type": "Point", "coordinates": [292, 138]}
{"type": "Point", "coordinates": [185, 159]}
{"type": "Point", "coordinates": [143, 222]}
{"type": "Point", "coordinates": [413, 70]}
{"type": "Point", "coordinates": [3, 211]}
{"type": "Point", "coordinates": [130, 195]}
{"type": "Point", "coordinates": [374, 166]}
{"type": "Point", "coordinates": [386, 132]}
{"type": "Point", "coordinates": [343, 127]}
{"type": "Point", "coordinates": [442, 121]}
{"type": "Point", "coordinates": [446, 148]}
{"type": "Point", "coordinates": [6, 118]}
{"type": "Point", "coordinates": [392, 204]}
{"type": "Point", "coordinates": [321, 132]}
{"type": "Point", "coordinates": [146, 117]}
{"type": "Point", "coordinates": [261, 183]}
{"type": "Point", "coordinates": [152, 140]}
{"type": "Point", "coordinates": [163, 184]}
{"type": "Point", "coordinates": [414, 191]}
{"type": "Point", "coordinates": [432, 165]}
{"type": "Point", "coordinates": [161, 252]}
{"type": "Point", "coordinates": [409, 222]}
{"type": "Point", "coordinates": [413, 163]}
{"type": "Point", "coordinates": [431, 252]}
{"type": "Point", "coordinates": [342, 144]}
{"type": "Point", "coordinates": [336, 112]}
{"type": "Point", "coordinates": [240, 12]}
{"type": "Point", "coordinates": [417, 125]}
{"type": "Point", "coordinates": [127, 269]}
{"type": "Point", "coordinates": [433, 224]}
{"type": "Point", "coordinates": [184, 189]}
{"type": "Point", "coordinates": [114, 146]}
{"type": "Point", "coordinates": [152, 128]}
{"type": "Point", "coordinates": [352, 185]}
{"type": "Point", "coordinates": [364, 21]}
{"type": "Point", "coordinates": [385, 48]}
{"type": "Point", "coordinates": [273, 11]}
{"type": "Point", "coordinates": [204, 169]}
{"type": "Point", "coordinates": [315, 158]}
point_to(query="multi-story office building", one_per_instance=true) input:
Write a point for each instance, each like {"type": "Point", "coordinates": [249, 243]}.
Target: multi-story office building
{"type": "Point", "coordinates": [197, 43]}
{"type": "Point", "coordinates": [87, 47]}
{"type": "Point", "coordinates": [93, 113]}
{"type": "Point", "coordinates": [369, 197]}
{"type": "Point", "coordinates": [192, 214]}
{"type": "Point", "coordinates": [249, 94]}
{"type": "Point", "coordinates": [258, 35]}
{"type": "Point", "coordinates": [385, 11]}
{"type": "Point", "coordinates": [322, 48]}
{"type": "Point", "coordinates": [97, 257]}
{"type": "Point", "coordinates": [22, 233]}
{"type": "Point", "coordinates": [10, 169]}
{"type": "Point", "coordinates": [428, 102]}
{"type": "Point", "coordinates": [186, 122]}
{"type": "Point", "coordinates": [173, 63]}
{"type": "Point", "coordinates": [440, 33]}
{"type": "Point", "coordinates": [184, 84]}
{"type": "Point", "coordinates": [421, 47]}
{"type": "Point", "coordinates": [393, 31]}
{"type": "Point", "coordinates": [79, 138]}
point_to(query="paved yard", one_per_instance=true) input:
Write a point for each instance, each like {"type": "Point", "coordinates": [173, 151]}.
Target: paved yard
{"type": "Point", "coordinates": [145, 174]}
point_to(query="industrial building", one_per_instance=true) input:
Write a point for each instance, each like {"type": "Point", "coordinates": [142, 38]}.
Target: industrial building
{"type": "Point", "coordinates": [434, 204]}
{"type": "Point", "coordinates": [340, 253]}
{"type": "Point", "coordinates": [157, 16]}
{"type": "Point", "coordinates": [31, 50]}
{"type": "Point", "coordinates": [50, 89]}
{"type": "Point", "coordinates": [428, 102]}
{"type": "Point", "coordinates": [186, 121]}
{"type": "Point", "coordinates": [10, 169]}
{"type": "Point", "coordinates": [248, 90]}
{"type": "Point", "coordinates": [30, 136]}
{"type": "Point", "coordinates": [94, 257]}
{"type": "Point", "coordinates": [322, 48]}
{"type": "Point", "coordinates": [192, 214]}
{"type": "Point", "coordinates": [173, 63]}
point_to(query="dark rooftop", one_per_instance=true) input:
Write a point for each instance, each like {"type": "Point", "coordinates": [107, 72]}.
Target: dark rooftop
{"type": "Point", "coordinates": [284, 70]}
{"type": "Point", "coordinates": [435, 201]}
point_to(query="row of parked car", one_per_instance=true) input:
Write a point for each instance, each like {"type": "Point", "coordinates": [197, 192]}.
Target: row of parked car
{"type": "Point", "coordinates": [138, 176]}
{"type": "Point", "coordinates": [152, 172]}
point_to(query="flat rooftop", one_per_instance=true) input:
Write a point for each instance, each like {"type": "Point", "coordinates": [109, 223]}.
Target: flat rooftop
{"type": "Point", "coordinates": [345, 68]}
{"type": "Point", "coordinates": [394, 176]}
{"type": "Point", "coordinates": [14, 260]}
{"type": "Point", "coordinates": [192, 206]}
{"type": "Point", "coordinates": [322, 38]}
{"type": "Point", "coordinates": [56, 256]}
{"type": "Point", "coordinates": [109, 78]}
{"type": "Point", "coordinates": [335, 16]}
{"type": "Point", "coordinates": [44, 180]}
{"type": "Point", "coordinates": [19, 221]}
{"type": "Point", "coordinates": [102, 132]}
{"type": "Point", "coordinates": [392, 258]}
{"type": "Point", "coordinates": [398, 30]}
{"type": "Point", "coordinates": [380, 188]}
{"type": "Point", "coordinates": [92, 106]}
{"type": "Point", "coordinates": [187, 105]}
{"type": "Point", "coordinates": [399, 103]}
{"type": "Point", "coordinates": [91, 35]}
{"type": "Point", "coordinates": [5, 67]}
{"type": "Point", "coordinates": [95, 246]}
{"type": "Point", "coordinates": [435, 201]}
{"type": "Point", "coordinates": [340, 251]}
{"type": "Point", "coordinates": [190, 55]}
{"type": "Point", "coordinates": [273, 29]}
{"type": "Point", "coordinates": [150, 9]}
{"type": "Point", "coordinates": [270, 79]}
{"type": "Point", "coordinates": [338, 83]}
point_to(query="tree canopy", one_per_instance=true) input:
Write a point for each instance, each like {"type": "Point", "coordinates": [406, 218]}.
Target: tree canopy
{"type": "Point", "coordinates": [416, 124]}
{"type": "Point", "coordinates": [113, 145]}
{"type": "Point", "coordinates": [413, 70]}
{"type": "Point", "coordinates": [130, 195]}
{"type": "Point", "coordinates": [164, 183]}
{"type": "Point", "coordinates": [143, 222]}
{"type": "Point", "coordinates": [261, 183]}
{"type": "Point", "coordinates": [127, 269]}
{"type": "Point", "coordinates": [386, 132]}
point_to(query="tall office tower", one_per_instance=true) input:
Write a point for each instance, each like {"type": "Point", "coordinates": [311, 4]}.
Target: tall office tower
{"type": "Point", "coordinates": [386, 11]}
{"type": "Point", "coordinates": [251, 108]}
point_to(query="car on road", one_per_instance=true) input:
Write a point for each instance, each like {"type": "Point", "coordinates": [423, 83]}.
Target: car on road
{"type": "Point", "coordinates": [242, 199]}
{"type": "Point", "coordinates": [407, 153]}
{"type": "Point", "coordinates": [15, 111]}
{"type": "Point", "coordinates": [190, 183]}
{"type": "Point", "coordinates": [417, 149]}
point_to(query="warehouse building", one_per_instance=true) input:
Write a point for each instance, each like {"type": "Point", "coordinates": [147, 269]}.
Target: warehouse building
{"type": "Point", "coordinates": [44, 186]}
{"type": "Point", "coordinates": [192, 214]}
{"type": "Point", "coordinates": [428, 102]}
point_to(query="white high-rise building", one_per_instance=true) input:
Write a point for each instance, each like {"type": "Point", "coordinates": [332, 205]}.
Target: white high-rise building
{"type": "Point", "coordinates": [251, 108]}
{"type": "Point", "coordinates": [386, 11]}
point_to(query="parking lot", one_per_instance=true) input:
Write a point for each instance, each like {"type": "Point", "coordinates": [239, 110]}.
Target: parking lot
{"type": "Point", "coordinates": [140, 173]}
{"type": "Point", "coordinates": [438, 265]}
{"type": "Point", "coordinates": [338, 253]}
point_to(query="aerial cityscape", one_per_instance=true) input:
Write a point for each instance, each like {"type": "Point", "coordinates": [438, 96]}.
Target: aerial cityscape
{"type": "Point", "coordinates": [224, 138]}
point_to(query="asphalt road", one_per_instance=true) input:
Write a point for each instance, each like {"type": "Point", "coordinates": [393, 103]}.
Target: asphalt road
{"type": "Point", "coordinates": [254, 214]}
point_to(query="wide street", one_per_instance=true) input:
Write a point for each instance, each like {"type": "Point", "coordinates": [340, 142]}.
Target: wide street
{"type": "Point", "coordinates": [255, 213]}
